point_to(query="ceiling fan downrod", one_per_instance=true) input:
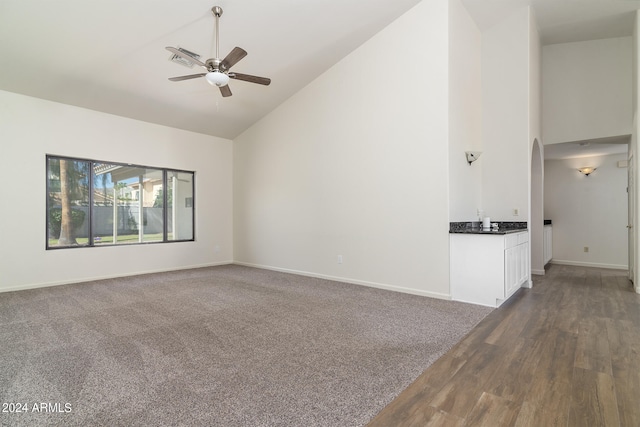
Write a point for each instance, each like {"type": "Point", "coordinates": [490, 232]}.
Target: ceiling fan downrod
{"type": "Point", "coordinates": [217, 12]}
{"type": "Point", "coordinates": [215, 76]}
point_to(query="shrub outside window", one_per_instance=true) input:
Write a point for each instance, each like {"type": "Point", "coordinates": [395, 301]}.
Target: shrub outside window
{"type": "Point", "coordinates": [93, 203]}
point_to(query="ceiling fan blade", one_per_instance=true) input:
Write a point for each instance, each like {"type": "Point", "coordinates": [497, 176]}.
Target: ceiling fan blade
{"type": "Point", "coordinates": [232, 58]}
{"type": "Point", "coordinates": [225, 90]}
{"type": "Point", "coordinates": [185, 56]}
{"type": "Point", "coordinates": [190, 76]}
{"type": "Point", "coordinates": [249, 78]}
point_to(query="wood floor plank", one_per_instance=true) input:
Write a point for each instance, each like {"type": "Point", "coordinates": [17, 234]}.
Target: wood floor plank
{"type": "Point", "coordinates": [627, 387]}
{"type": "Point", "coordinates": [509, 329]}
{"type": "Point", "coordinates": [609, 280]}
{"type": "Point", "coordinates": [518, 366]}
{"type": "Point", "coordinates": [571, 311]}
{"type": "Point", "coordinates": [624, 344]}
{"type": "Point", "coordinates": [464, 389]}
{"type": "Point", "coordinates": [593, 346]}
{"type": "Point", "coordinates": [625, 354]}
{"type": "Point", "coordinates": [540, 323]}
{"type": "Point", "coordinates": [632, 307]}
{"type": "Point", "coordinates": [623, 282]}
{"type": "Point", "coordinates": [557, 358]}
{"type": "Point", "coordinates": [493, 411]}
{"type": "Point", "coordinates": [458, 397]}
{"type": "Point", "coordinates": [601, 299]}
{"type": "Point", "coordinates": [574, 277]}
{"type": "Point", "coordinates": [546, 405]}
{"type": "Point", "coordinates": [593, 400]}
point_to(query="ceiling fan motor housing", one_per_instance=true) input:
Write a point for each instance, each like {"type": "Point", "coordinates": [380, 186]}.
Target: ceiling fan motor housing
{"type": "Point", "coordinates": [214, 64]}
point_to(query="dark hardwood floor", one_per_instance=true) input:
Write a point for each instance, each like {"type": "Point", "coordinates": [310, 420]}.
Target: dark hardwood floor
{"type": "Point", "coordinates": [564, 353]}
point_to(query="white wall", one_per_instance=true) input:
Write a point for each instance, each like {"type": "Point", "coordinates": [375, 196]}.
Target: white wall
{"type": "Point", "coordinates": [587, 90]}
{"type": "Point", "coordinates": [588, 211]}
{"type": "Point", "coordinates": [536, 162]}
{"type": "Point", "coordinates": [356, 167]}
{"type": "Point", "coordinates": [465, 114]}
{"type": "Point", "coordinates": [535, 81]}
{"type": "Point", "coordinates": [506, 109]}
{"type": "Point", "coordinates": [30, 128]}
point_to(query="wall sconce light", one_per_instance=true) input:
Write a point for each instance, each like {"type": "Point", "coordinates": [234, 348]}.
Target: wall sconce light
{"type": "Point", "coordinates": [587, 170]}
{"type": "Point", "coordinates": [472, 156]}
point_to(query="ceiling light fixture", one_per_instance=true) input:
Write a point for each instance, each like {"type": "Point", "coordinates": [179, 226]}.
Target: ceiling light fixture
{"type": "Point", "coordinates": [216, 78]}
{"type": "Point", "coordinates": [587, 170]}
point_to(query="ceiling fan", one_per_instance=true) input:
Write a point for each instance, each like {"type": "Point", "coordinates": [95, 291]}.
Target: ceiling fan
{"type": "Point", "coordinates": [218, 73]}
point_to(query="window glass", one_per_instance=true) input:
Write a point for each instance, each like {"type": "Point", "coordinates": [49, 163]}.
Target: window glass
{"type": "Point", "coordinates": [125, 204]}
{"type": "Point", "coordinates": [94, 203]}
{"type": "Point", "coordinates": [179, 205]}
{"type": "Point", "coordinates": [67, 202]}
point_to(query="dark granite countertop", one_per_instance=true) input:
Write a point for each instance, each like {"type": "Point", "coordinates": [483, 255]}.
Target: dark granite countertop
{"type": "Point", "coordinates": [483, 231]}
{"type": "Point", "coordinates": [475, 227]}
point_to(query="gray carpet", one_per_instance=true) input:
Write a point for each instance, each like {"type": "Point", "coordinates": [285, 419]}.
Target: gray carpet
{"type": "Point", "coordinates": [220, 346]}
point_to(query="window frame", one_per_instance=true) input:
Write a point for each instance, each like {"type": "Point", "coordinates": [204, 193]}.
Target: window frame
{"type": "Point", "coordinates": [90, 212]}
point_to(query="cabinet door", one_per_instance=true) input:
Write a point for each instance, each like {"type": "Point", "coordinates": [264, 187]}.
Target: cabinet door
{"type": "Point", "coordinates": [511, 273]}
{"type": "Point", "coordinates": [516, 262]}
{"type": "Point", "coordinates": [523, 263]}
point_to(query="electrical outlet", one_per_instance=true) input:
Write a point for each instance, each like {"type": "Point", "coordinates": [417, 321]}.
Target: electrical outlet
{"type": "Point", "coordinates": [339, 259]}
{"type": "Point", "coordinates": [586, 248]}
{"type": "Point", "coordinates": [516, 211]}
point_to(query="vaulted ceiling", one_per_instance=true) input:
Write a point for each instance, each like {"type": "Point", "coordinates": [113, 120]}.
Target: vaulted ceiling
{"type": "Point", "coordinates": [110, 56]}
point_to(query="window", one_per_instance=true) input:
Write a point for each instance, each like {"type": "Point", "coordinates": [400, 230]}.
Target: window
{"type": "Point", "coordinates": [94, 203]}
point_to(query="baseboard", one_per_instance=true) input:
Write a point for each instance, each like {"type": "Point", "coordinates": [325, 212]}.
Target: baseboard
{"type": "Point", "coordinates": [351, 281]}
{"type": "Point", "coordinates": [538, 272]}
{"type": "Point", "coordinates": [589, 264]}
{"type": "Point", "coordinates": [111, 276]}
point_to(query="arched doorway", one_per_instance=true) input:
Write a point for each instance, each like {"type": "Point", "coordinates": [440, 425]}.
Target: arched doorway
{"type": "Point", "coordinates": [536, 221]}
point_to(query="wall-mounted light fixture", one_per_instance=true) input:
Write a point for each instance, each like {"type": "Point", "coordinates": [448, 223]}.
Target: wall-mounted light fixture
{"type": "Point", "coordinates": [587, 170]}
{"type": "Point", "coordinates": [472, 156]}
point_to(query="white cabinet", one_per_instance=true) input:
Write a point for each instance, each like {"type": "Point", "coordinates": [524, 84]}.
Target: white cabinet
{"type": "Point", "coordinates": [547, 239]}
{"type": "Point", "coordinates": [487, 269]}
{"type": "Point", "coordinates": [516, 262]}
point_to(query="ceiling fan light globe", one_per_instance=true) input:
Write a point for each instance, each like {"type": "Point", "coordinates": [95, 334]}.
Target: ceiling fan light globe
{"type": "Point", "coordinates": [216, 78]}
